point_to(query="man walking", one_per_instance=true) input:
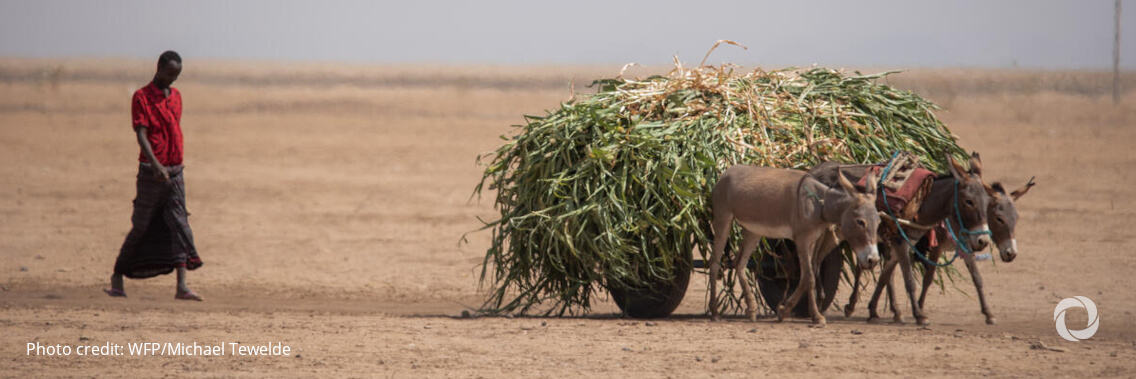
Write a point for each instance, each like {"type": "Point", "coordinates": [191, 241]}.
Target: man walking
{"type": "Point", "coordinates": [160, 241]}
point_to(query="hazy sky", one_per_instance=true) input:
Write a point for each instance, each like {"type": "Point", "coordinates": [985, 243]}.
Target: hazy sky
{"type": "Point", "coordinates": [981, 33]}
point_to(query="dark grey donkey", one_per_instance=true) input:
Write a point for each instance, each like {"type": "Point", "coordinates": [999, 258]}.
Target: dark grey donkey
{"type": "Point", "coordinates": [1003, 215]}
{"type": "Point", "coordinates": [962, 193]}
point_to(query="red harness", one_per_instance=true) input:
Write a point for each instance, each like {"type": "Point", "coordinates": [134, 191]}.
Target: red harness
{"type": "Point", "coordinates": [897, 199]}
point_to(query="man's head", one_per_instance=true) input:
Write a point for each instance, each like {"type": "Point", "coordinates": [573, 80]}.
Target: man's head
{"type": "Point", "coordinates": [169, 67]}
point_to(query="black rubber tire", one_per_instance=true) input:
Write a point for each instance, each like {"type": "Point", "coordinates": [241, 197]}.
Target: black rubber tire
{"type": "Point", "coordinates": [775, 282]}
{"type": "Point", "coordinates": [659, 299]}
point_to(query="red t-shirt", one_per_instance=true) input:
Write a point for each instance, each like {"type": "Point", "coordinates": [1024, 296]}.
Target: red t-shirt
{"type": "Point", "coordinates": [161, 116]}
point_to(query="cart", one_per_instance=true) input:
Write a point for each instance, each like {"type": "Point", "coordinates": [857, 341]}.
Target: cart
{"type": "Point", "coordinates": [776, 278]}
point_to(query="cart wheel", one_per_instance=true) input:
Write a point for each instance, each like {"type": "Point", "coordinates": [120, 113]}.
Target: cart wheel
{"type": "Point", "coordinates": [660, 298]}
{"type": "Point", "coordinates": [776, 279]}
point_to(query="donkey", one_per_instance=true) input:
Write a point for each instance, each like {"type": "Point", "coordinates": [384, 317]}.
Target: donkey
{"type": "Point", "coordinates": [961, 192]}
{"type": "Point", "coordinates": [1004, 216]}
{"type": "Point", "coordinates": [781, 203]}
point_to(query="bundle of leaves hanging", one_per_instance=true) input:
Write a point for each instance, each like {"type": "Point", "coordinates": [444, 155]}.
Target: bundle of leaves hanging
{"type": "Point", "coordinates": [609, 189]}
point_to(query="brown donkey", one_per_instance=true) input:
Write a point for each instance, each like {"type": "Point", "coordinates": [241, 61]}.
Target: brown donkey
{"type": "Point", "coordinates": [1003, 216]}
{"type": "Point", "coordinates": [781, 203]}
{"type": "Point", "coordinates": [961, 192]}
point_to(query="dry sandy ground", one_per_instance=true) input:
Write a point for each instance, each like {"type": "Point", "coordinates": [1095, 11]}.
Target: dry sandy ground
{"type": "Point", "coordinates": [328, 202]}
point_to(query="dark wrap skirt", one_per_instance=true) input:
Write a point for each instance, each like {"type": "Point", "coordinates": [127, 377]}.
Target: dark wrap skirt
{"type": "Point", "coordinates": [160, 239]}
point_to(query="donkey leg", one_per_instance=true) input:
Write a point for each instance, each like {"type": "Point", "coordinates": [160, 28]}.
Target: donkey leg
{"type": "Point", "coordinates": [851, 306]}
{"type": "Point", "coordinates": [814, 267]}
{"type": "Point", "coordinates": [790, 302]}
{"type": "Point", "coordinates": [721, 238]}
{"type": "Point", "coordinates": [804, 256]}
{"type": "Point", "coordinates": [975, 275]}
{"type": "Point", "coordinates": [896, 313]}
{"type": "Point", "coordinates": [749, 243]}
{"type": "Point", "coordinates": [905, 267]}
{"type": "Point", "coordinates": [881, 283]}
{"type": "Point", "coordinates": [933, 255]}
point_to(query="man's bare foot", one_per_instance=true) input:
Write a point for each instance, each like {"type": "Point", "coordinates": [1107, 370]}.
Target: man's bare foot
{"type": "Point", "coordinates": [115, 292]}
{"type": "Point", "coordinates": [188, 295]}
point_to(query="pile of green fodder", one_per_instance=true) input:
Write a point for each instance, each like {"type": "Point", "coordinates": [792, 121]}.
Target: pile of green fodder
{"type": "Point", "coordinates": [609, 189]}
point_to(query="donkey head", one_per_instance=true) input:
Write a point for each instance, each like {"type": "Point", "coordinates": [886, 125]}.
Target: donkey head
{"type": "Point", "coordinates": [971, 201]}
{"type": "Point", "coordinates": [859, 222]}
{"type": "Point", "coordinates": [1004, 216]}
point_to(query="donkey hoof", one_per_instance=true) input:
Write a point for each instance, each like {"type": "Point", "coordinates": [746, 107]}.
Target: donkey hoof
{"type": "Point", "coordinates": [715, 318]}
{"type": "Point", "coordinates": [848, 309]}
{"type": "Point", "coordinates": [752, 316]}
{"type": "Point", "coordinates": [991, 321]}
{"type": "Point", "coordinates": [923, 321]}
{"type": "Point", "coordinates": [781, 313]}
{"type": "Point", "coordinates": [819, 322]}
{"type": "Point", "coordinates": [874, 319]}
{"type": "Point", "coordinates": [897, 319]}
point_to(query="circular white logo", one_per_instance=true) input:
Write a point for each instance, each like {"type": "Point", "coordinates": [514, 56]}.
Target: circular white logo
{"type": "Point", "coordinates": [1076, 302]}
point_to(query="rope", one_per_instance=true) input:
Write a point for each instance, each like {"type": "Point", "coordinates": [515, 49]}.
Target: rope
{"type": "Point", "coordinates": [958, 215]}
{"type": "Point", "coordinates": [887, 169]}
{"type": "Point", "coordinates": [960, 246]}
{"type": "Point", "coordinates": [908, 240]}
{"type": "Point", "coordinates": [887, 207]}
{"type": "Point", "coordinates": [909, 224]}
{"type": "Point", "coordinates": [959, 243]}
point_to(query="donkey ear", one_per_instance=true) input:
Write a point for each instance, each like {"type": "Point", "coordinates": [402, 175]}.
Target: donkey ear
{"type": "Point", "coordinates": [1022, 191]}
{"type": "Point", "coordinates": [997, 186]}
{"type": "Point", "coordinates": [870, 184]}
{"type": "Point", "coordinates": [975, 164]}
{"type": "Point", "coordinates": [955, 168]}
{"type": "Point", "coordinates": [993, 190]}
{"type": "Point", "coordinates": [845, 183]}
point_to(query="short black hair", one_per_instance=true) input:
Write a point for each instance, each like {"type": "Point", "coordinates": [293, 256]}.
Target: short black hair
{"type": "Point", "coordinates": [169, 56]}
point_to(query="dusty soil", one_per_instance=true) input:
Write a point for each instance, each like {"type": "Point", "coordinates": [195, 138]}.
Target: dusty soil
{"type": "Point", "coordinates": [328, 202]}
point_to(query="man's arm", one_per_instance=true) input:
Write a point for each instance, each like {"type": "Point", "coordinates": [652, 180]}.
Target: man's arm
{"type": "Point", "coordinates": [160, 171]}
